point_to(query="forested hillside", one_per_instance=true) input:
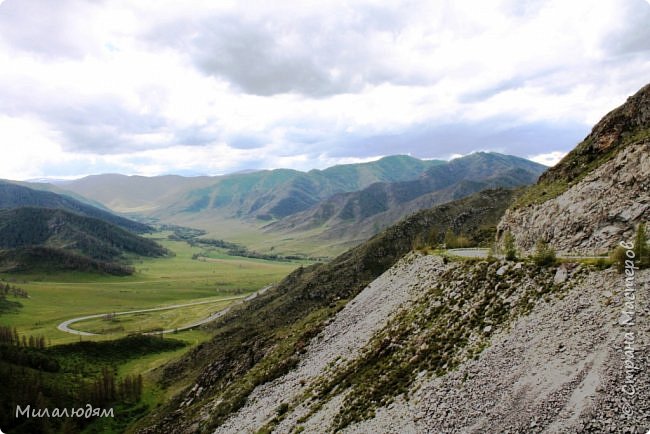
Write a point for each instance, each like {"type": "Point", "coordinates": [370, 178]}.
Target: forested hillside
{"type": "Point", "coordinates": [16, 196]}
{"type": "Point", "coordinates": [43, 239]}
{"type": "Point", "coordinates": [22, 227]}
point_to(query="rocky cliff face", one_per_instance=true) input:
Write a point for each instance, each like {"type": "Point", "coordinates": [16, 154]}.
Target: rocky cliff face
{"type": "Point", "coordinates": [597, 195]}
{"type": "Point", "coordinates": [619, 128]}
{"type": "Point", "coordinates": [595, 214]}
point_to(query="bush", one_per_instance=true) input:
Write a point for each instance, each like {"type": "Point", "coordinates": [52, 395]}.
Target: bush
{"type": "Point", "coordinates": [544, 254]}
{"type": "Point", "coordinates": [453, 241]}
{"type": "Point", "coordinates": [282, 409]}
{"type": "Point", "coordinates": [641, 248]}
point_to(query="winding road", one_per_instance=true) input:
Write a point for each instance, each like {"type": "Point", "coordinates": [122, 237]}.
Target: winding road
{"type": "Point", "coordinates": [65, 325]}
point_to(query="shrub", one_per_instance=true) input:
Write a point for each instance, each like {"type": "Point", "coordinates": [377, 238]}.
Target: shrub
{"type": "Point", "coordinates": [282, 409]}
{"type": "Point", "coordinates": [641, 248]}
{"type": "Point", "coordinates": [453, 241]}
{"type": "Point", "coordinates": [544, 254]}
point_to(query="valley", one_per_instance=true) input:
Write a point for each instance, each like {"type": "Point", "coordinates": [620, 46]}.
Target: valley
{"type": "Point", "coordinates": [319, 213]}
{"type": "Point", "coordinates": [178, 291]}
{"type": "Point", "coordinates": [157, 282]}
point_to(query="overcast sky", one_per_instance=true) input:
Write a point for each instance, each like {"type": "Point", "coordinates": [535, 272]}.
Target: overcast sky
{"type": "Point", "coordinates": [211, 87]}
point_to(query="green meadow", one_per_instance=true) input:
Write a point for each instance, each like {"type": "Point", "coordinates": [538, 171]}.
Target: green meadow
{"type": "Point", "coordinates": [157, 282]}
{"type": "Point", "coordinates": [213, 279]}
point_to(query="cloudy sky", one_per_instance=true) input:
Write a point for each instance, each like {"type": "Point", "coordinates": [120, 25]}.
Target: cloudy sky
{"type": "Point", "coordinates": [209, 87]}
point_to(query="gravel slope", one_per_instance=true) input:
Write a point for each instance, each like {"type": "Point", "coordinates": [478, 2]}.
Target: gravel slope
{"type": "Point", "coordinates": [557, 370]}
{"type": "Point", "coordinates": [342, 339]}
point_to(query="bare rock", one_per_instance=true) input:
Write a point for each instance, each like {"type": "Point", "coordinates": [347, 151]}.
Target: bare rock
{"type": "Point", "coordinates": [561, 275]}
{"type": "Point", "coordinates": [593, 215]}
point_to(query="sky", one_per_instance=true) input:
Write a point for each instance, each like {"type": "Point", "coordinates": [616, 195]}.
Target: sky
{"type": "Point", "coordinates": [154, 87]}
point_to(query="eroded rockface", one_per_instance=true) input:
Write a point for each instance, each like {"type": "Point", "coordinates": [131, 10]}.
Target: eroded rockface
{"type": "Point", "coordinates": [594, 215]}
{"type": "Point", "coordinates": [561, 369]}
{"type": "Point", "coordinates": [597, 195]}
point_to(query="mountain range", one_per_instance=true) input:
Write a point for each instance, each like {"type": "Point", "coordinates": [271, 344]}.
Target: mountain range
{"type": "Point", "coordinates": [323, 211]}
{"type": "Point", "coordinates": [359, 215]}
{"type": "Point", "coordinates": [13, 195]}
{"type": "Point", "coordinates": [276, 192]}
{"type": "Point", "coordinates": [342, 205]}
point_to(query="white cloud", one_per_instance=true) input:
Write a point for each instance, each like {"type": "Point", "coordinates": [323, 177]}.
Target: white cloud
{"type": "Point", "coordinates": [548, 159]}
{"type": "Point", "coordinates": [161, 86]}
{"type": "Point", "coordinates": [26, 146]}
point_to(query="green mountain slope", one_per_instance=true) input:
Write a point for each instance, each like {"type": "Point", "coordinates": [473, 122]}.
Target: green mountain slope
{"type": "Point", "coordinates": [278, 193]}
{"type": "Point", "coordinates": [15, 196]}
{"type": "Point", "coordinates": [28, 227]}
{"type": "Point", "coordinates": [96, 238]}
{"type": "Point", "coordinates": [259, 341]}
{"type": "Point", "coordinates": [358, 215]}
{"type": "Point", "coordinates": [261, 194]}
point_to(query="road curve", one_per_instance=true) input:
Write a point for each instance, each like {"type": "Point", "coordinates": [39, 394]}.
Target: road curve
{"type": "Point", "coordinates": [65, 325]}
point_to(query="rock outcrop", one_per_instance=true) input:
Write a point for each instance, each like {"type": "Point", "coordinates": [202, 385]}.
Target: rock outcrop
{"type": "Point", "coordinates": [594, 215]}
{"type": "Point", "coordinates": [596, 196]}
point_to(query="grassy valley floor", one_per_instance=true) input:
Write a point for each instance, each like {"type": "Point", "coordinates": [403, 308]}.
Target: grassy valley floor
{"type": "Point", "coordinates": [184, 277]}
{"type": "Point", "coordinates": [157, 282]}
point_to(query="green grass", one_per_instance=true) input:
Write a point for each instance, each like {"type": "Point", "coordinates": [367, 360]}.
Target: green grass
{"type": "Point", "coordinates": [254, 237]}
{"type": "Point", "coordinates": [540, 193]}
{"type": "Point", "coordinates": [157, 282]}
{"type": "Point", "coordinates": [149, 367]}
{"type": "Point", "coordinates": [68, 373]}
